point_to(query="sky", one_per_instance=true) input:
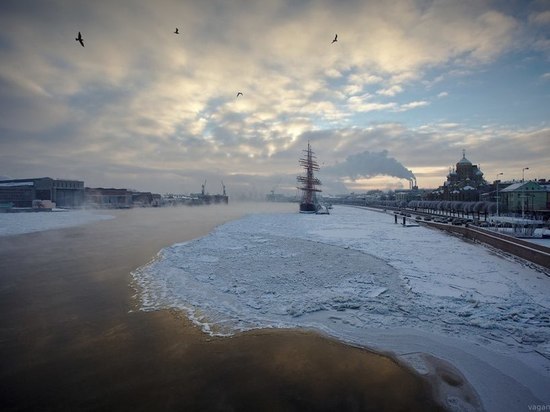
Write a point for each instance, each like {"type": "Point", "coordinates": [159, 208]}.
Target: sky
{"type": "Point", "coordinates": [407, 86]}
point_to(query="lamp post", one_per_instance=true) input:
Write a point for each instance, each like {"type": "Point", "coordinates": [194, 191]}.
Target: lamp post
{"type": "Point", "coordinates": [523, 192]}
{"type": "Point", "coordinates": [497, 180]}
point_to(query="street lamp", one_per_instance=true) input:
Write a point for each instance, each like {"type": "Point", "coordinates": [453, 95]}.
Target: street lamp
{"type": "Point", "coordinates": [497, 180]}
{"type": "Point", "coordinates": [523, 192]}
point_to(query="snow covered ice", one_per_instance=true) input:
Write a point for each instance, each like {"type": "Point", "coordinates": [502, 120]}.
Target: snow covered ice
{"type": "Point", "coordinates": [359, 277]}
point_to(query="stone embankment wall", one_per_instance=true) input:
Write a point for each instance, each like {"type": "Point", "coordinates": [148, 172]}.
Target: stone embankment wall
{"type": "Point", "coordinates": [535, 253]}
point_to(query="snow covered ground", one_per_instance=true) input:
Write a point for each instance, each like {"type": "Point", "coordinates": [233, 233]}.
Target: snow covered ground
{"type": "Point", "coordinates": [361, 278]}
{"type": "Point", "coordinates": [18, 223]}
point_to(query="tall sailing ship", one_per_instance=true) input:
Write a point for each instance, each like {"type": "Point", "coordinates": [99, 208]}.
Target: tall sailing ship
{"type": "Point", "coordinates": [309, 182]}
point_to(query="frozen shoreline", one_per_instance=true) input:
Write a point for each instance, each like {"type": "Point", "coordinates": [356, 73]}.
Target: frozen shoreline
{"type": "Point", "coordinates": [357, 276]}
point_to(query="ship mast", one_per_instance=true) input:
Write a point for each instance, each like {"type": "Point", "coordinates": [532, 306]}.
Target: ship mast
{"type": "Point", "coordinates": [308, 181]}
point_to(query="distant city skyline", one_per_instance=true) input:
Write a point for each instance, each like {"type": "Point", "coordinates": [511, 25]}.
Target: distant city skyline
{"type": "Point", "coordinates": [242, 87]}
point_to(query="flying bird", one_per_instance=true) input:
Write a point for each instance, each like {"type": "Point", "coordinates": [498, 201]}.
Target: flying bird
{"type": "Point", "coordinates": [239, 94]}
{"type": "Point", "coordinates": [80, 39]}
{"type": "Point", "coordinates": [177, 31]}
{"type": "Point", "coordinates": [335, 39]}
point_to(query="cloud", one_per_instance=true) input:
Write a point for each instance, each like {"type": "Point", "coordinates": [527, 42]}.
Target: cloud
{"type": "Point", "coordinates": [390, 91]}
{"type": "Point", "coordinates": [540, 18]}
{"type": "Point", "coordinates": [141, 99]}
{"type": "Point", "coordinates": [537, 28]}
{"type": "Point", "coordinates": [432, 148]}
{"type": "Point", "coordinates": [358, 104]}
{"type": "Point", "coordinates": [449, 125]}
{"type": "Point", "coordinates": [412, 105]}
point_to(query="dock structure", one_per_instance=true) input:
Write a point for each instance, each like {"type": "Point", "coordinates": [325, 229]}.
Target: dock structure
{"type": "Point", "coordinates": [205, 198]}
{"type": "Point", "coordinates": [308, 182]}
{"type": "Point", "coordinates": [197, 199]}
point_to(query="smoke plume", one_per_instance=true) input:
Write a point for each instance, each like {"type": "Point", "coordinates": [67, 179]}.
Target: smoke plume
{"type": "Point", "coordinates": [369, 164]}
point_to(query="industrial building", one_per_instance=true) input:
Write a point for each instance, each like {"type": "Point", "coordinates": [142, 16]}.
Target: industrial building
{"type": "Point", "coordinates": [26, 192]}
{"type": "Point", "coordinates": [108, 198]}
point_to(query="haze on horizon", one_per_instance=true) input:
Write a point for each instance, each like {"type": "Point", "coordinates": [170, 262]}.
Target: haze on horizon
{"type": "Point", "coordinates": [408, 84]}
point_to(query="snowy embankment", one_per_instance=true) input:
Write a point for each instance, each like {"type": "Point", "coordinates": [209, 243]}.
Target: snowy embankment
{"type": "Point", "coordinates": [359, 277]}
{"type": "Point", "coordinates": [19, 223]}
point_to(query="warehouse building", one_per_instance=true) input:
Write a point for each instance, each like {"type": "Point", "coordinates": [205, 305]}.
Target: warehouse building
{"type": "Point", "coordinates": [27, 192]}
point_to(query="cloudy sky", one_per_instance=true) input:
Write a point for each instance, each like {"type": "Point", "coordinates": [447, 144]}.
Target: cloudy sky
{"type": "Point", "coordinates": [407, 86]}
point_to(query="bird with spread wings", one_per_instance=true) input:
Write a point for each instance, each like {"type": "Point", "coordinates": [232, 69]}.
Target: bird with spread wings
{"type": "Point", "coordinates": [80, 39]}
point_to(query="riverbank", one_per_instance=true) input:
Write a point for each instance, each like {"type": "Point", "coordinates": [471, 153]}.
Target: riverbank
{"type": "Point", "coordinates": [72, 338]}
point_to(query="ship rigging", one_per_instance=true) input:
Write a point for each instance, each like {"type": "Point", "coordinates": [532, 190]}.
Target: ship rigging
{"type": "Point", "coordinates": [308, 182]}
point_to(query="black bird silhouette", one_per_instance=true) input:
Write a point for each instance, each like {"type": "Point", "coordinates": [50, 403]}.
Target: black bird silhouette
{"type": "Point", "coordinates": [335, 39]}
{"type": "Point", "coordinates": [177, 31]}
{"type": "Point", "coordinates": [239, 94]}
{"type": "Point", "coordinates": [80, 39]}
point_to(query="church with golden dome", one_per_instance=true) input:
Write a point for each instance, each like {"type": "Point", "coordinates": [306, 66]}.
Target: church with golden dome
{"type": "Point", "coordinates": [464, 182]}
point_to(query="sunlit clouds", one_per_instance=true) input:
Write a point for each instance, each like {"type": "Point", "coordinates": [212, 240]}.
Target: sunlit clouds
{"type": "Point", "coordinates": [142, 107]}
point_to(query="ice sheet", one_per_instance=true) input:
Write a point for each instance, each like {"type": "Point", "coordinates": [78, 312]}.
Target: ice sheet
{"type": "Point", "coordinates": [357, 276]}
